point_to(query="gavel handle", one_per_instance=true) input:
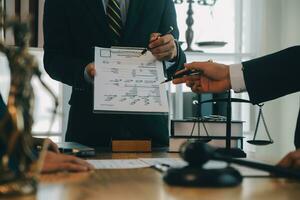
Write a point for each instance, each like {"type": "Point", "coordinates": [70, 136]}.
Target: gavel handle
{"type": "Point", "coordinates": [276, 170]}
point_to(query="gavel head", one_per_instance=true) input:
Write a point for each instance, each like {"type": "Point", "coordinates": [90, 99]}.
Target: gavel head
{"type": "Point", "coordinates": [196, 152]}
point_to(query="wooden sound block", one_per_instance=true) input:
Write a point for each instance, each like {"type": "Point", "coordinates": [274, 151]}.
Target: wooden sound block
{"type": "Point", "coordinates": [131, 145]}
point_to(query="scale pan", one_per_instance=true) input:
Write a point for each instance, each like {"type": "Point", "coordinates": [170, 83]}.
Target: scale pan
{"type": "Point", "coordinates": [260, 142]}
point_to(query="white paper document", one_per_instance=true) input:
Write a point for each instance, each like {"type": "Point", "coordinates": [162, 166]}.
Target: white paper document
{"type": "Point", "coordinates": [127, 82]}
{"type": "Point", "coordinates": [118, 164]}
{"type": "Point", "coordinates": [136, 163]}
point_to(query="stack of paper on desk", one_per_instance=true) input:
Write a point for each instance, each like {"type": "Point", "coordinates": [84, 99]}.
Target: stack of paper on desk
{"type": "Point", "coordinates": [127, 81]}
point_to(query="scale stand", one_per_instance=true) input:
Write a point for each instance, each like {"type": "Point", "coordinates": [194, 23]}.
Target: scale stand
{"type": "Point", "coordinates": [199, 121]}
{"type": "Point", "coordinates": [228, 151]}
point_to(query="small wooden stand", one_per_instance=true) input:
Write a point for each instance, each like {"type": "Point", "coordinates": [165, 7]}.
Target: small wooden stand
{"type": "Point", "coordinates": [131, 145]}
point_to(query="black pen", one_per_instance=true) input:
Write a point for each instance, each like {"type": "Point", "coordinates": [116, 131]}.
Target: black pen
{"type": "Point", "coordinates": [184, 73]}
{"type": "Point", "coordinates": [169, 31]}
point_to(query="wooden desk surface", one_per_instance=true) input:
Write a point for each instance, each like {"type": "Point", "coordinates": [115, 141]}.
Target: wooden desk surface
{"type": "Point", "coordinates": [146, 183]}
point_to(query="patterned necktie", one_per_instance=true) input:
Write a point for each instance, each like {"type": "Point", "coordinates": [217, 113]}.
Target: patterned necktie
{"type": "Point", "coordinates": [114, 20]}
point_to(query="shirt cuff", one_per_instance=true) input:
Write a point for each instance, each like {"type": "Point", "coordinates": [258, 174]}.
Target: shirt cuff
{"type": "Point", "coordinates": [237, 78]}
{"type": "Point", "coordinates": [87, 78]}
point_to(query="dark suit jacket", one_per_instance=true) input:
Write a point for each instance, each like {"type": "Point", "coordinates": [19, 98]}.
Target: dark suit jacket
{"type": "Point", "coordinates": [2, 112]}
{"type": "Point", "coordinates": [273, 76]}
{"type": "Point", "coordinates": [71, 29]}
{"type": "Point", "coordinates": [2, 107]}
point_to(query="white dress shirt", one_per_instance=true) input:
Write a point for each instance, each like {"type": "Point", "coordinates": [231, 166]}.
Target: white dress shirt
{"type": "Point", "coordinates": [237, 78]}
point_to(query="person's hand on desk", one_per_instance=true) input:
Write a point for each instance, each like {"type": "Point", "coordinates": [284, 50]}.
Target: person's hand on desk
{"type": "Point", "coordinates": [51, 145]}
{"type": "Point", "coordinates": [164, 47]}
{"type": "Point", "coordinates": [59, 162]}
{"type": "Point", "coordinates": [215, 77]}
{"type": "Point", "coordinates": [291, 160]}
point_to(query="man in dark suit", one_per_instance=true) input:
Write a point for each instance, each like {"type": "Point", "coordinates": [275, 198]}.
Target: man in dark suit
{"type": "Point", "coordinates": [73, 27]}
{"type": "Point", "coordinates": [264, 78]}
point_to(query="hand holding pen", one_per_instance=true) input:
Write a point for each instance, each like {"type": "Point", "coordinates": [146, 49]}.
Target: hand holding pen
{"type": "Point", "coordinates": [189, 73]}
{"type": "Point", "coordinates": [162, 46]}
{"type": "Point", "coordinates": [215, 77]}
{"type": "Point", "coordinates": [184, 73]}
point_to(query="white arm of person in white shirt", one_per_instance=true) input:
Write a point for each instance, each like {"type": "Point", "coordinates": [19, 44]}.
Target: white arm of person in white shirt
{"type": "Point", "coordinates": [218, 78]}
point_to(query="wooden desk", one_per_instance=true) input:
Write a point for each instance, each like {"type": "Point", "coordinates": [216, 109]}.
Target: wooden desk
{"type": "Point", "coordinates": [147, 184]}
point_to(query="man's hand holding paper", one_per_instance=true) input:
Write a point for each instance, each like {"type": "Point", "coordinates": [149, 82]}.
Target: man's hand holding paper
{"type": "Point", "coordinates": [90, 69]}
